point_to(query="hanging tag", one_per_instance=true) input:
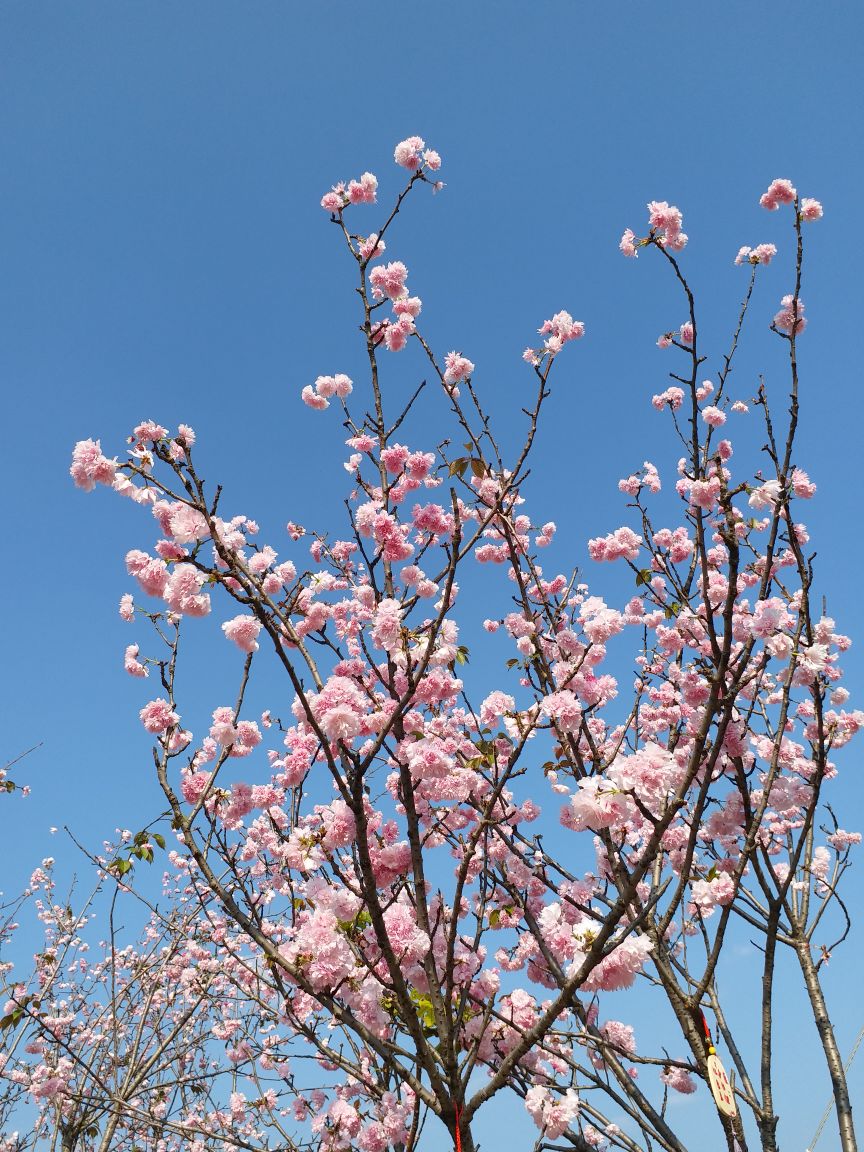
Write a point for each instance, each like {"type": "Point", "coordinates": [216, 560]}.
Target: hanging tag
{"type": "Point", "coordinates": [721, 1089]}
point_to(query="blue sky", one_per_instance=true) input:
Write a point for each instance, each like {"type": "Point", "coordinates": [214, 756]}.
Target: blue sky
{"type": "Point", "coordinates": [164, 256]}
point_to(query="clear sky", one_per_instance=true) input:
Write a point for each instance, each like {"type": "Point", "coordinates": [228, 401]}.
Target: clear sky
{"type": "Point", "coordinates": [164, 256]}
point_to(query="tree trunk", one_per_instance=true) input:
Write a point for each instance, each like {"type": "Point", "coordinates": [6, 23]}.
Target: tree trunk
{"type": "Point", "coordinates": [833, 1059]}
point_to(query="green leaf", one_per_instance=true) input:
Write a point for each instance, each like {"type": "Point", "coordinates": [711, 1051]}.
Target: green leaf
{"type": "Point", "coordinates": [478, 467]}
{"type": "Point", "coordinates": [643, 577]}
{"type": "Point", "coordinates": [494, 918]}
{"type": "Point", "coordinates": [159, 839]}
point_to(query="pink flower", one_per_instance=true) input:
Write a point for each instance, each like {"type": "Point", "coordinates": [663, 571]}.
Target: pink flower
{"type": "Point", "coordinates": [339, 385]}
{"type": "Point", "coordinates": [339, 708]}
{"type": "Point", "coordinates": [620, 968]}
{"type": "Point", "coordinates": [328, 958]}
{"type": "Point", "coordinates": [563, 709]}
{"type": "Point", "coordinates": [157, 716]}
{"type": "Point", "coordinates": [790, 315]}
{"type": "Point", "coordinates": [407, 940]}
{"type": "Point", "coordinates": [761, 254]}
{"type": "Point", "coordinates": [551, 1114]}
{"type": "Point", "coordinates": [810, 209]}
{"type": "Point", "coordinates": [559, 330]}
{"type": "Point", "coordinates": [673, 396]}
{"type": "Point", "coordinates": [713, 416]}
{"type": "Point", "coordinates": [627, 246]}
{"type": "Point", "coordinates": [90, 467]}
{"type": "Point", "coordinates": [389, 280]}
{"type": "Point", "coordinates": [495, 705]}
{"type": "Point", "coordinates": [621, 543]}
{"type": "Point", "coordinates": [326, 386]}
{"type": "Point", "coordinates": [705, 895]}
{"type": "Point", "coordinates": [842, 840]}
{"type": "Point", "coordinates": [408, 306]}
{"type": "Point", "coordinates": [187, 524]}
{"type": "Point", "coordinates": [363, 191]}
{"type": "Point", "coordinates": [149, 432]}
{"type": "Point", "coordinates": [151, 574]}
{"type": "Point", "coordinates": [243, 630]}
{"type": "Point", "coordinates": [387, 629]}
{"type": "Point", "coordinates": [127, 607]}
{"type": "Point", "coordinates": [407, 153]}
{"type": "Point", "coordinates": [621, 1035]}
{"type": "Point", "coordinates": [371, 246]}
{"type": "Point", "coordinates": [457, 367]}
{"type": "Point", "coordinates": [396, 334]}
{"type": "Point", "coordinates": [779, 192]}
{"type": "Point", "coordinates": [432, 160]}
{"type": "Point", "coordinates": [319, 403]}
{"type": "Point", "coordinates": [686, 333]}
{"type": "Point", "coordinates": [665, 219]}
{"type": "Point", "coordinates": [131, 663]}
{"type": "Point", "coordinates": [183, 591]}
{"type": "Point", "coordinates": [802, 485]}
{"type": "Point", "coordinates": [704, 493]}
{"type": "Point", "coordinates": [333, 201]}
{"type": "Point", "coordinates": [679, 1080]}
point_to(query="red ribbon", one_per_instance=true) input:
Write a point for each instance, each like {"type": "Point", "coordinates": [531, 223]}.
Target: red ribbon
{"type": "Point", "coordinates": [707, 1031]}
{"type": "Point", "coordinates": [458, 1129]}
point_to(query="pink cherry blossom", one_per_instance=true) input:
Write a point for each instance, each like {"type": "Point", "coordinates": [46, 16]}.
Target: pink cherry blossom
{"type": "Point", "coordinates": [364, 190]}
{"type": "Point", "coordinates": [132, 664]}
{"type": "Point", "coordinates": [666, 220]}
{"type": "Point", "coordinates": [627, 247]}
{"type": "Point", "coordinates": [713, 416]}
{"type": "Point", "coordinates": [90, 467]}
{"type": "Point", "coordinates": [183, 593]}
{"type": "Point", "coordinates": [761, 254]}
{"type": "Point", "coordinates": [790, 314]}
{"type": "Point", "coordinates": [673, 396]}
{"type": "Point", "coordinates": [407, 153]}
{"type": "Point", "coordinates": [622, 543]}
{"type": "Point", "coordinates": [389, 280]}
{"type": "Point", "coordinates": [158, 717]}
{"type": "Point", "coordinates": [560, 330]}
{"type": "Point", "coordinates": [457, 367]}
{"type": "Point", "coordinates": [243, 630]}
{"type": "Point", "coordinates": [371, 246]}
{"type": "Point", "coordinates": [810, 209]}
{"type": "Point", "coordinates": [779, 192]}
{"type": "Point", "coordinates": [149, 432]}
{"type": "Point", "coordinates": [679, 1080]}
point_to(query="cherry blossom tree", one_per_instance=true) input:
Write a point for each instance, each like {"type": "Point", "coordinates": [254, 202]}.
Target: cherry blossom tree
{"type": "Point", "coordinates": [163, 1043]}
{"type": "Point", "coordinates": [382, 898]}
